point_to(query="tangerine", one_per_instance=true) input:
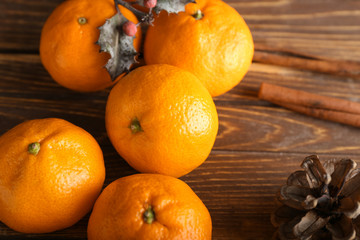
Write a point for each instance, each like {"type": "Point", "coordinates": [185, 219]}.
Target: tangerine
{"type": "Point", "coordinates": [210, 39]}
{"type": "Point", "coordinates": [52, 173]}
{"type": "Point", "coordinates": [149, 206]}
{"type": "Point", "coordinates": [161, 119]}
{"type": "Point", "coordinates": [67, 45]}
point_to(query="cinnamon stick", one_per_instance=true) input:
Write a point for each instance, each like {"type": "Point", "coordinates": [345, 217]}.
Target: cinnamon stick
{"type": "Point", "coordinates": [323, 107]}
{"type": "Point", "coordinates": [271, 92]}
{"type": "Point", "coordinates": [341, 68]}
{"type": "Point", "coordinates": [335, 116]}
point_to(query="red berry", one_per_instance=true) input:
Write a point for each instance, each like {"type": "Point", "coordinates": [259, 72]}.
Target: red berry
{"type": "Point", "coordinates": [150, 3]}
{"type": "Point", "coordinates": [129, 28]}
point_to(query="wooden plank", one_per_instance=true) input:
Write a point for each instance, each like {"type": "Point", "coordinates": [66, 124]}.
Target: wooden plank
{"type": "Point", "coordinates": [320, 29]}
{"type": "Point", "coordinates": [246, 123]}
{"type": "Point", "coordinates": [258, 145]}
{"type": "Point", "coordinates": [325, 84]}
{"type": "Point", "coordinates": [21, 23]}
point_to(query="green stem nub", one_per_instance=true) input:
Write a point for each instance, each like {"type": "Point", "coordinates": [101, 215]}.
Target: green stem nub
{"type": "Point", "coordinates": [149, 215]}
{"type": "Point", "coordinates": [34, 148]}
{"type": "Point", "coordinates": [82, 20]}
{"type": "Point", "coordinates": [135, 126]}
{"type": "Point", "coordinates": [198, 14]}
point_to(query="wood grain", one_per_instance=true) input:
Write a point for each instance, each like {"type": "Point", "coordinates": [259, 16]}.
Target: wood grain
{"type": "Point", "coordinates": [22, 22]}
{"type": "Point", "coordinates": [319, 29]}
{"type": "Point", "coordinates": [246, 124]}
{"type": "Point", "coordinates": [258, 145]}
{"type": "Point", "coordinates": [255, 138]}
{"type": "Point", "coordinates": [322, 29]}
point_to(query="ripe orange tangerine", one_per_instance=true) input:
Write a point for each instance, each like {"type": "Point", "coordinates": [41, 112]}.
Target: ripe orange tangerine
{"type": "Point", "coordinates": [51, 174]}
{"type": "Point", "coordinates": [67, 45]}
{"type": "Point", "coordinates": [147, 207]}
{"type": "Point", "coordinates": [161, 119]}
{"type": "Point", "coordinates": [210, 39]}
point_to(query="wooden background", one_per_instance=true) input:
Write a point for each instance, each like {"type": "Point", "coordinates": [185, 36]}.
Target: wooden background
{"type": "Point", "coordinates": [258, 145]}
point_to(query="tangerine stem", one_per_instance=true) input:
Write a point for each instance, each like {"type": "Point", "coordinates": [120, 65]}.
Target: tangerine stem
{"type": "Point", "coordinates": [147, 18]}
{"type": "Point", "coordinates": [82, 20]}
{"type": "Point", "coordinates": [34, 148]}
{"type": "Point", "coordinates": [198, 15]}
{"type": "Point", "coordinates": [149, 215]}
{"type": "Point", "coordinates": [135, 126]}
{"type": "Point", "coordinates": [117, 7]}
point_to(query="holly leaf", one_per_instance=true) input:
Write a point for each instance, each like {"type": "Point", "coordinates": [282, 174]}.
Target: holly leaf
{"type": "Point", "coordinates": [114, 41]}
{"type": "Point", "coordinates": [171, 6]}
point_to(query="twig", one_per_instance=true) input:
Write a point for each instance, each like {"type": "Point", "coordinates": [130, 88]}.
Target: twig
{"type": "Point", "coordinates": [341, 68]}
{"type": "Point", "coordinates": [147, 18]}
{"type": "Point", "coordinates": [327, 108]}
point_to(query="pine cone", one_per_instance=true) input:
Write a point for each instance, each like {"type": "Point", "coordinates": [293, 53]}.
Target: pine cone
{"type": "Point", "coordinates": [320, 202]}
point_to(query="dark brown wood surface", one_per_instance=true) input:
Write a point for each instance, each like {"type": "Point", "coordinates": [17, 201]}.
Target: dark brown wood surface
{"type": "Point", "coordinates": [258, 145]}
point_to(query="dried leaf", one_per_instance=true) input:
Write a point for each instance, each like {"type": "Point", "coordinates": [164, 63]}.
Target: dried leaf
{"type": "Point", "coordinates": [342, 229]}
{"type": "Point", "coordinates": [171, 6]}
{"type": "Point", "coordinates": [298, 178]}
{"type": "Point", "coordinates": [342, 169]}
{"type": "Point", "coordinates": [120, 46]}
{"type": "Point", "coordinates": [315, 171]}
{"type": "Point", "coordinates": [309, 224]}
